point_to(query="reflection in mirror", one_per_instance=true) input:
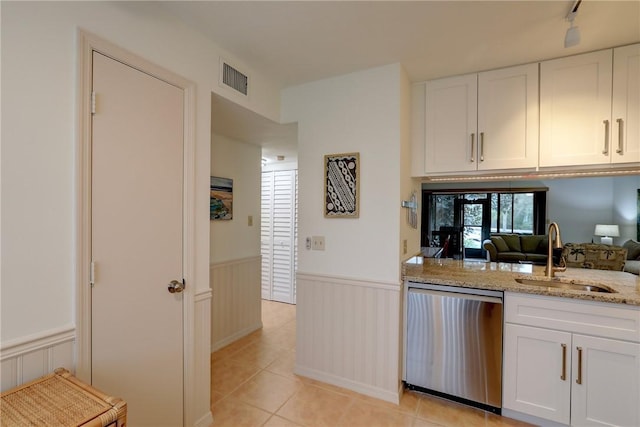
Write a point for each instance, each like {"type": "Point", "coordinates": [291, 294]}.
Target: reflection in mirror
{"type": "Point", "coordinates": [576, 204]}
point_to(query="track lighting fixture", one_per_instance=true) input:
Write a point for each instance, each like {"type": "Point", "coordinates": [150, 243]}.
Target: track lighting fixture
{"type": "Point", "coordinates": [572, 37]}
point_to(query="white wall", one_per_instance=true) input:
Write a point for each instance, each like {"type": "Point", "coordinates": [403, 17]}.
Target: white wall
{"type": "Point", "coordinates": [38, 133]}
{"type": "Point", "coordinates": [39, 85]}
{"type": "Point", "coordinates": [408, 186]}
{"type": "Point", "coordinates": [349, 295]}
{"type": "Point", "coordinates": [578, 204]}
{"type": "Point", "coordinates": [281, 166]}
{"type": "Point", "coordinates": [235, 239]}
{"type": "Point", "coordinates": [358, 112]}
{"type": "Point", "coordinates": [626, 207]}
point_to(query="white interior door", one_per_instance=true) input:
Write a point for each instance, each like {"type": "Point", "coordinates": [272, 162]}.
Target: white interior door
{"type": "Point", "coordinates": [136, 242]}
{"type": "Point", "coordinates": [278, 239]}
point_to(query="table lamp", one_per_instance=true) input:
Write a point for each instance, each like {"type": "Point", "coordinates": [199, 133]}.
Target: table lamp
{"type": "Point", "coordinates": [607, 232]}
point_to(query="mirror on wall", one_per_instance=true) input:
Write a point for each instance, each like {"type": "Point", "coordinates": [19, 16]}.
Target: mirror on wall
{"type": "Point", "coordinates": [460, 220]}
{"type": "Point", "coordinates": [576, 204]}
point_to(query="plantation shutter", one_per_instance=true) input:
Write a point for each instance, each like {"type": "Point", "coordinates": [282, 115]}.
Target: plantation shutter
{"type": "Point", "coordinates": [279, 236]}
{"type": "Point", "coordinates": [266, 232]}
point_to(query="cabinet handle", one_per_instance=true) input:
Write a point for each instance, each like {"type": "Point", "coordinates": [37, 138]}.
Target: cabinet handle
{"type": "Point", "coordinates": [482, 146]}
{"type": "Point", "coordinates": [620, 136]}
{"type": "Point", "coordinates": [606, 137]}
{"type": "Point", "coordinates": [563, 377]}
{"type": "Point", "coordinates": [579, 379]}
{"type": "Point", "coordinates": [473, 137]}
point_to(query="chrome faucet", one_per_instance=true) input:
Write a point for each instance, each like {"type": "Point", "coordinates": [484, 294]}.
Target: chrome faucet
{"type": "Point", "coordinates": [554, 243]}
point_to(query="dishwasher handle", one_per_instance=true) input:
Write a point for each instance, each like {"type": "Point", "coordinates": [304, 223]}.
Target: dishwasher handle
{"type": "Point", "coordinates": [472, 297]}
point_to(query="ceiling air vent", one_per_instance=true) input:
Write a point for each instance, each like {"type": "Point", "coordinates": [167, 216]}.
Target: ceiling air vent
{"type": "Point", "coordinates": [234, 79]}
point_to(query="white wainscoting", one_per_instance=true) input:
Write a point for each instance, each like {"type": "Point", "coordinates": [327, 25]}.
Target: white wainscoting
{"type": "Point", "coordinates": [202, 369]}
{"type": "Point", "coordinates": [348, 334]}
{"type": "Point", "coordinates": [236, 305]}
{"type": "Point", "coordinates": [31, 357]}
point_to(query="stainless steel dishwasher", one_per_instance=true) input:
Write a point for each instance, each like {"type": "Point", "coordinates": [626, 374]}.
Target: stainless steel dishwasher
{"type": "Point", "coordinates": [454, 343]}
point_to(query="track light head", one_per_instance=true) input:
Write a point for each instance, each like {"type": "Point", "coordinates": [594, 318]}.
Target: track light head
{"type": "Point", "coordinates": [572, 37]}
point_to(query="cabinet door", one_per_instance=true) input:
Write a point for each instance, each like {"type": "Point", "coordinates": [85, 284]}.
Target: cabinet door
{"type": "Point", "coordinates": [575, 110]}
{"type": "Point", "coordinates": [626, 105]}
{"type": "Point", "coordinates": [537, 373]}
{"type": "Point", "coordinates": [450, 124]}
{"type": "Point", "coordinates": [606, 387]}
{"type": "Point", "coordinates": [508, 118]}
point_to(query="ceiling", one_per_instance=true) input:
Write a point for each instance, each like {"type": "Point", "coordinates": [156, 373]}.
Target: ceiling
{"type": "Point", "coordinates": [301, 41]}
{"type": "Point", "coordinates": [236, 122]}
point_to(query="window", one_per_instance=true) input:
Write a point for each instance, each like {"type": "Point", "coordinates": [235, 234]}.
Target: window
{"type": "Point", "coordinates": [514, 212]}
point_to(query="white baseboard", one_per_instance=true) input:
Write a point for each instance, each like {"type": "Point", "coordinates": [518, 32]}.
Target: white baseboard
{"type": "Point", "coordinates": [366, 389]}
{"type": "Point", "coordinates": [205, 421]}
{"type": "Point", "coordinates": [530, 418]}
{"type": "Point", "coordinates": [215, 346]}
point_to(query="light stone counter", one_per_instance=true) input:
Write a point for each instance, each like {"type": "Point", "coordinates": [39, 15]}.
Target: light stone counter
{"type": "Point", "coordinates": [501, 276]}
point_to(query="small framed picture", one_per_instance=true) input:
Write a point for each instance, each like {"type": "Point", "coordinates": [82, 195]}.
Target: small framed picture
{"type": "Point", "coordinates": [221, 198]}
{"type": "Point", "coordinates": [342, 185]}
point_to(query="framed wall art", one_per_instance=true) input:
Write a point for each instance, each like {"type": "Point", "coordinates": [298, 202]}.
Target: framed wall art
{"type": "Point", "coordinates": [342, 185]}
{"type": "Point", "coordinates": [221, 198]}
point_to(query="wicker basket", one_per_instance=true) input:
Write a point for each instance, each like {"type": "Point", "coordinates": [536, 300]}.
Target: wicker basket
{"type": "Point", "coordinates": [60, 399]}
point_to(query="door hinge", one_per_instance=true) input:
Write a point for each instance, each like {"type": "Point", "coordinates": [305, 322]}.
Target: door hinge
{"type": "Point", "coordinates": [93, 102]}
{"type": "Point", "coordinates": [92, 274]}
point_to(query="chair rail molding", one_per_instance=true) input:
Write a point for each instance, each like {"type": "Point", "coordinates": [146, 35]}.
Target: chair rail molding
{"type": "Point", "coordinates": [27, 358]}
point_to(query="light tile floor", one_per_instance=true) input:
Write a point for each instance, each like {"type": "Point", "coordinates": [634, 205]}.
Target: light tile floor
{"type": "Point", "coordinates": [253, 384]}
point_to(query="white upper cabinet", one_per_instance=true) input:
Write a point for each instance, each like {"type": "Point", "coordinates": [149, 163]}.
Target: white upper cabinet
{"type": "Point", "coordinates": [626, 105]}
{"type": "Point", "coordinates": [589, 108]}
{"type": "Point", "coordinates": [451, 108]}
{"type": "Point", "coordinates": [508, 118]}
{"type": "Point", "coordinates": [484, 121]}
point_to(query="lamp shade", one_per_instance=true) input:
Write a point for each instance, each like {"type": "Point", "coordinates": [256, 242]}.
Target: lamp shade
{"type": "Point", "coordinates": [607, 230]}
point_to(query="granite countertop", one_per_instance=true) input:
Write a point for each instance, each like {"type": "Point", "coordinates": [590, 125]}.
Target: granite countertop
{"type": "Point", "coordinates": [501, 276]}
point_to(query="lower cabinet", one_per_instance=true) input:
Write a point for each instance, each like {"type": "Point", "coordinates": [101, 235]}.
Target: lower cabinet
{"type": "Point", "coordinates": [534, 361]}
{"type": "Point", "coordinates": [565, 375]}
{"type": "Point", "coordinates": [605, 378]}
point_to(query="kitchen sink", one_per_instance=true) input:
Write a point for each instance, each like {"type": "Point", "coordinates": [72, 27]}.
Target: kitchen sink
{"type": "Point", "coordinates": [576, 286]}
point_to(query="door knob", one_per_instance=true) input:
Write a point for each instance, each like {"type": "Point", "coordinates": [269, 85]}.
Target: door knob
{"type": "Point", "coordinates": [175, 286]}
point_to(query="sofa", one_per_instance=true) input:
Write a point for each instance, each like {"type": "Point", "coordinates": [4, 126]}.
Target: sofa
{"type": "Point", "coordinates": [632, 265]}
{"type": "Point", "coordinates": [505, 247]}
{"type": "Point", "coordinates": [595, 255]}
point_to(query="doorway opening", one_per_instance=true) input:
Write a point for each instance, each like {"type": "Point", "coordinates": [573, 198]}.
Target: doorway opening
{"type": "Point", "coordinates": [472, 214]}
